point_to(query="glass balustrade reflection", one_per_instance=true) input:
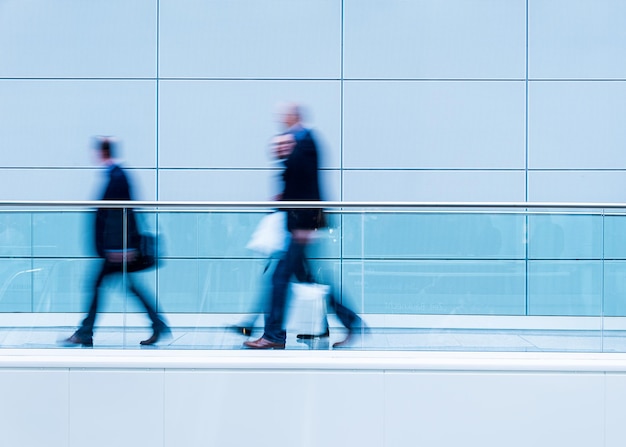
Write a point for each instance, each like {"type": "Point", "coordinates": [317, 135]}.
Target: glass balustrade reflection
{"type": "Point", "coordinates": [422, 279]}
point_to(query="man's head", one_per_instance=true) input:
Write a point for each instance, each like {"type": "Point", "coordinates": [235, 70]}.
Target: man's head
{"type": "Point", "coordinates": [105, 148]}
{"type": "Point", "coordinates": [290, 115]}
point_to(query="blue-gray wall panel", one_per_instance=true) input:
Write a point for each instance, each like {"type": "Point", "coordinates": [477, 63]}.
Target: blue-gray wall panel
{"type": "Point", "coordinates": [76, 39]}
{"type": "Point", "coordinates": [433, 125]}
{"type": "Point", "coordinates": [576, 39]}
{"type": "Point", "coordinates": [433, 185]}
{"type": "Point", "coordinates": [577, 125]}
{"type": "Point", "coordinates": [52, 123]}
{"type": "Point", "coordinates": [250, 39]}
{"type": "Point", "coordinates": [577, 186]}
{"type": "Point", "coordinates": [216, 124]}
{"type": "Point", "coordinates": [431, 39]}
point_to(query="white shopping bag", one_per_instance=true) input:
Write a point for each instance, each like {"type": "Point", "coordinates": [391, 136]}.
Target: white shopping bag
{"type": "Point", "coordinates": [307, 309]}
{"type": "Point", "coordinates": [270, 237]}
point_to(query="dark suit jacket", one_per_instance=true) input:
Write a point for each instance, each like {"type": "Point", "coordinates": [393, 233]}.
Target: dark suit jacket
{"type": "Point", "coordinates": [109, 225]}
{"type": "Point", "coordinates": [301, 182]}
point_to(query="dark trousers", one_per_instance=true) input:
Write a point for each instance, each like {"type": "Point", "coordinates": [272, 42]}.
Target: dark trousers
{"type": "Point", "coordinates": [263, 303]}
{"type": "Point", "coordinates": [294, 263]}
{"type": "Point", "coordinates": [109, 269]}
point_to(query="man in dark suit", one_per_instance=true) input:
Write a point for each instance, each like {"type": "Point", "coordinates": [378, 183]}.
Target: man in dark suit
{"type": "Point", "coordinates": [117, 240]}
{"type": "Point", "coordinates": [300, 183]}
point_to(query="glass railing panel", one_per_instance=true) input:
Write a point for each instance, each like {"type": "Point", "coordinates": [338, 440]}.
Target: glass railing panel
{"type": "Point", "coordinates": [16, 285]}
{"type": "Point", "coordinates": [209, 285]}
{"type": "Point", "coordinates": [435, 262]}
{"type": "Point", "coordinates": [565, 279]}
{"type": "Point", "coordinates": [434, 234]}
{"type": "Point", "coordinates": [205, 234]}
{"type": "Point", "coordinates": [565, 235]}
{"type": "Point", "coordinates": [60, 285]}
{"type": "Point", "coordinates": [220, 234]}
{"type": "Point", "coordinates": [527, 274]}
{"type": "Point", "coordinates": [436, 287]}
{"type": "Point", "coordinates": [205, 265]}
{"type": "Point", "coordinates": [615, 235]}
{"type": "Point", "coordinates": [614, 291]}
{"type": "Point", "coordinates": [565, 288]}
{"type": "Point", "coordinates": [15, 234]}
{"type": "Point", "coordinates": [565, 263]}
{"type": "Point", "coordinates": [16, 267]}
{"type": "Point", "coordinates": [62, 234]}
{"type": "Point", "coordinates": [66, 285]}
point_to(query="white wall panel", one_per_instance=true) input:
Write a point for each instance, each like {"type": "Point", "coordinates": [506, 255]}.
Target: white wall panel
{"type": "Point", "coordinates": [230, 123]}
{"type": "Point", "coordinates": [52, 123]}
{"type": "Point", "coordinates": [282, 408]}
{"type": "Point", "coordinates": [434, 39]}
{"type": "Point", "coordinates": [250, 39]}
{"type": "Point", "coordinates": [73, 38]}
{"type": "Point", "coordinates": [144, 407]}
{"type": "Point", "coordinates": [433, 186]}
{"type": "Point", "coordinates": [577, 125]}
{"type": "Point", "coordinates": [434, 124]}
{"type": "Point", "coordinates": [576, 39]}
{"type": "Point", "coordinates": [68, 184]}
{"type": "Point", "coordinates": [330, 185]}
{"type": "Point", "coordinates": [34, 408]}
{"type": "Point", "coordinates": [576, 186]}
{"type": "Point", "coordinates": [493, 410]}
{"type": "Point", "coordinates": [615, 397]}
{"type": "Point", "coordinates": [189, 184]}
{"type": "Point", "coordinates": [121, 408]}
{"type": "Point", "coordinates": [246, 185]}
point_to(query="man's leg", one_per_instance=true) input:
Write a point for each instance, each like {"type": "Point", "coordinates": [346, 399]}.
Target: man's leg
{"type": "Point", "coordinates": [157, 322]}
{"type": "Point", "coordinates": [275, 334]}
{"type": "Point", "coordinates": [159, 327]}
{"type": "Point", "coordinates": [348, 318]}
{"type": "Point", "coordinates": [84, 334]}
{"type": "Point", "coordinates": [89, 321]}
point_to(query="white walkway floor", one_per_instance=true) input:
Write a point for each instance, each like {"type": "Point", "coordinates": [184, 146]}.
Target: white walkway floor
{"type": "Point", "coordinates": [470, 340]}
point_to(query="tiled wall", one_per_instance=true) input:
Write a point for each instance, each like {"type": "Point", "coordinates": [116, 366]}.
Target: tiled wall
{"type": "Point", "coordinates": [425, 100]}
{"type": "Point", "coordinates": [484, 100]}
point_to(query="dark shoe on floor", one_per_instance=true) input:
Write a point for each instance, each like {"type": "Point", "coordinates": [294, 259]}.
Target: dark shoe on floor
{"type": "Point", "coordinates": [156, 336]}
{"type": "Point", "coordinates": [241, 330]}
{"type": "Point", "coordinates": [263, 343]}
{"type": "Point", "coordinates": [78, 339]}
{"type": "Point", "coordinates": [311, 337]}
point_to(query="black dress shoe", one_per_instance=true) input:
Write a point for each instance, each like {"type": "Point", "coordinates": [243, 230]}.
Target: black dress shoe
{"type": "Point", "coordinates": [241, 330]}
{"type": "Point", "coordinates": [263, 343]}
{"type": "Point", "coordinates": [78, 339]}
{"type": "Point", "coordinates": [311, 337]}
{"type": "Point", "coordinates": [156, 335]}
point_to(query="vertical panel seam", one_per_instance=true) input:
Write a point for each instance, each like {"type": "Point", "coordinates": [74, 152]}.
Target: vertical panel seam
{"type": "Point", "coordinates": [526, 187]}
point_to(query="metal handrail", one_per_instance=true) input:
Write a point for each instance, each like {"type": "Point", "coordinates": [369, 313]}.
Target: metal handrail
{"type": "Point", "coordinates": [305, 204]}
